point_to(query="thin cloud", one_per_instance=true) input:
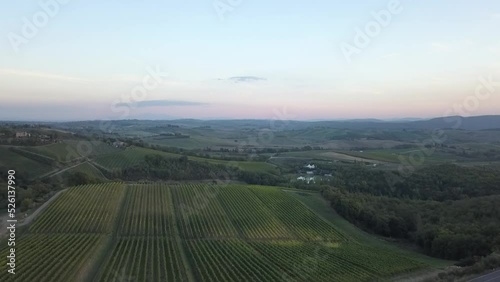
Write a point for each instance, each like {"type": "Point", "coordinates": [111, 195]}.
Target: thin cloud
{"type": "Point", "coordinates": [246, 79]}
{"type": "Point", "coordinates": [42, 75]}
{"type": "Point", "coordinates": [161, 103]}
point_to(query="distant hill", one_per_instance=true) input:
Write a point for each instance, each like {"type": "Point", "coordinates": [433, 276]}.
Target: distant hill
{"type": "Point", "coordinates": [453, 122]}
{"type": "Point", "coordinates": [458, 122]}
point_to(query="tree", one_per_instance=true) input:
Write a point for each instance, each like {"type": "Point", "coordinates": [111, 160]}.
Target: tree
{"type": "Point", "coordinates": [26, 204]}
{"type": "Point", "coordinates": [80, 178]}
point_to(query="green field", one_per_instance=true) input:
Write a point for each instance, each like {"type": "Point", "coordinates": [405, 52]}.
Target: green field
{"type": "Point", "coordinates": [195, 232]}
{"type": "Point", "coordinates": [244, 165]}
{"type": "Point", "coordinates": [328, 155]}
{"type": "Point", "coordinates": [135, 155]}
{"type": "Point", "coordinates": [70, 150]}
{"type": "Point", "coordinates": [27, 167]}
{"type": "Point", "coordinates": [320, 207]}
{"type": "Point", "coordinates": [395, 155]}
{"type": "Point", "coordinates": [128, 157]}
{"type": "Point", "coordinates": [378, 156]}
{"type": "Point", "coordinates": [86, 168]}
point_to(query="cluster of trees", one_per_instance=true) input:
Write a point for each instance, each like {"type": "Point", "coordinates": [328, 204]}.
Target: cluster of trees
{"type": "Point", "coordinates": [261, 178]}
{"type": "Point", "coordinates": [437, 182]}
{"type": "Point", "coordinates": [80, 178]}
{"type": "Point", "coordinates": [450, 212]}
{"type": "Point", "coordinates": [237, 154]}
{"type": "Point", "coordinates": [156, 167]}
{"type": "Point", "coordinates": [28, 192]}
{"type": "Point", "coordinates": [39, 135]}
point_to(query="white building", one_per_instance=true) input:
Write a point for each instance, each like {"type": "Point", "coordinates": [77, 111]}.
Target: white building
{"type": "Point", "coordinates": [306, 179]}
{"type": "Point", "coordinates": [23, 134]}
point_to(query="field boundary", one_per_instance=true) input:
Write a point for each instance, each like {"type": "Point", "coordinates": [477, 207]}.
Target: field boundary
{"type": "Point", "coordinates": [188, 268]}
{"type": "Point", "coordinates": [106, 251]}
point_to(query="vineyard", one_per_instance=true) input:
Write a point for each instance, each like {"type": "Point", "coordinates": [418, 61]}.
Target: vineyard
{"type": "Point", "coordinates": [53, 257]}
{"type": "Point", "coordinates": [194, 232]}
{"type": "Point", "coordinates": [147, 212]}
{"type": "Point", "coordinates": [301, 221]}
{"type": "Point", "coordinates": [144, 259]}
{"type": "Point", "coordinates": [85, 209]}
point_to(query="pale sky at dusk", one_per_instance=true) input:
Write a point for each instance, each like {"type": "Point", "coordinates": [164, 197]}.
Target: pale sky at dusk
{"type": "Point", "coordinates": [253, 60]}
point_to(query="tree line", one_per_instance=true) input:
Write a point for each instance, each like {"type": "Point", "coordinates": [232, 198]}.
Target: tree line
{"type": "Point", "coordinates": [451, 212]}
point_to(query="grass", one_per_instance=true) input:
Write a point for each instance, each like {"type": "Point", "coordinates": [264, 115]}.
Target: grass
{"type": "Point", "coordinates": [193, 142]}
{"type": "Point", "coordinates": [320, 206]}
{"type": "Point", "coordinates": [373, 156]}
{"type": "Point", "coordinates": [70, 150]}
{"type": "Point", "coordinates": [61, 152]}
{"type": "Point", "coordinates": [394, 155]}
{"type": "Point", "coordinates": [243, 165]}
{"type": "Point", "coordinates": [86, 168]}
{"type": "Point", "coordinates": [24, 166]}
{"type": "Point", "coordinates": [128, 157]}
{"type": "Point", "coordinates": [135, 155]}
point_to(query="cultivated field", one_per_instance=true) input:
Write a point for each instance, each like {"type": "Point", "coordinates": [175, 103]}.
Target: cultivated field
{"type": "Point", "coordinates": [128, 157]}
{"type": "Point", "coordinates": [29, 167]}
{"type": "Point", "coordinates": [135, 155]}
{"type": "Point", "coordinates": [70, 150]}
{"type": "Point", "coordinates": [85, 168]}
{"type": "Point", "coordinates": [195, 232]}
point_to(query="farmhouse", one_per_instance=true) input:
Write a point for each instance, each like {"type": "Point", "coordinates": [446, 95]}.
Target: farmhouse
{"type": "Point", "coordinates": [23, 134]}
{"type": "Point", "coordinates": [119, 144]}
{"type": "Point", "coordinates": [44, 138]}
{"type": "Point", "coordinates": [306, 179]}
{"type": "Point", "coordinates": [310, 166]}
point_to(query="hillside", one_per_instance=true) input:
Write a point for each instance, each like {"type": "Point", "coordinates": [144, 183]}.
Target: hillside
{"type": "Point", "coordinates": [195, 232]}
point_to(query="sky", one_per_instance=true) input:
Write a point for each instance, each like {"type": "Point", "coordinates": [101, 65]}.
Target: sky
{"type": "Point", "coordinates": [239, 59]}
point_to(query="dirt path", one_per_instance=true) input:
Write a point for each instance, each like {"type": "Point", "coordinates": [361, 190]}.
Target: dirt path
{"type": "Point", "coordinates": [490, 277]}
{"type": "Point", "coordinates": [418, 276]}
{"type": "Point", "coordinates": [48, 173]}
{"type": "Point", "coordinates": [98, 166]}
{"type": "Point", "coordinates": [27, 220]}
{"type": "Point", "coordinates": [52, 173]}
{"type": "Point", "coordinates": [3, 224]}
{"type": "Point", "coordinates": [30, 218]}
{"type": "Point", "coordinates": [346, 157]}
{"type": "Point", "coordinates": [100, 172]}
